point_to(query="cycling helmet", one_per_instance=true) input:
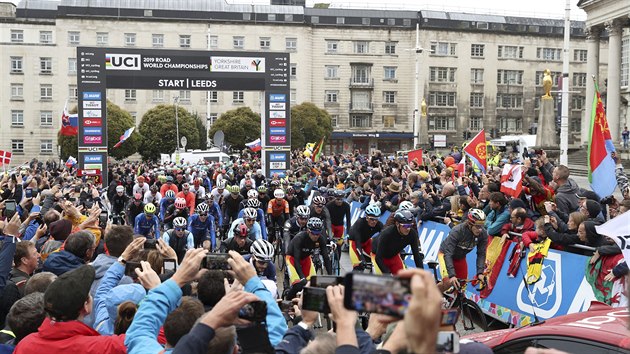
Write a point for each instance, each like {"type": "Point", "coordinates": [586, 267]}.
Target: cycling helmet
{"type": "Point", "coordinates": [323, 190]}
{"type": "Point", "coordinates": [221, 185]}
{"type": "Point", "coordinates": [240, 229]}
{"type": "Point", "coordinates": [303, 211]}
{"type": "Point", "coordinates": [234, 189]}
{"type": "Point", "coordinates": [405, 205]}
{"type": "Point", "coordinates": [298, 186]}
{"type": "Point", "coordinates": [169, 178]}
{"type": "Point", "coordinates": [338, 193]}
{"type": "Point", "coordinates": [250, 213]}
{"type": "Point", "coordinates": [476, 216]}
{"type": "Point", "coordinates": [315, 224]}
{"type": "Point", "coordinates": [169, 194]}
{"type": "Point", "coordinates": [262, 250]}
{"type": "Point", "coordinates": [252, 194]}
{"type": "Point", "coordinates": [275, 183]}
{"type": "Point", "coordinates": [153, 188]}
{"type": "Point", "coordinates": [180, 222]}
{"type": "Point", "coordinates": [120, 189]}
{"type": "Point", "coordinates": [290, 190]}
{"type": "Point", "coordinates": [404, 216]}
{"type": "Point", "coordinates": [253, 203]}
{"type": "Point", "coordinates": [180, 203]}
{"type": "Point", "coordinates": [203, 208]}
{"type": "Point", "coordinates": [319, 200]}
{"type": "Point", "coordinates": [149, 208]}
{"type": "Point", "coordinates": [373, 210]}
{"type": "Point", "coordinates": [278, 193]}
{"type": "Point", "coordinates": [262, 189]}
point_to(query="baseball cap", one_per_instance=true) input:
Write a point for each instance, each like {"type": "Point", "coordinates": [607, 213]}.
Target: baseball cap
{"type": "Point", "coordinates": [65, 297]}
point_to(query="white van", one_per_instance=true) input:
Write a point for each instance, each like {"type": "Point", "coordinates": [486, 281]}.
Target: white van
{"type": "Point", "coordinates": [195, 156]}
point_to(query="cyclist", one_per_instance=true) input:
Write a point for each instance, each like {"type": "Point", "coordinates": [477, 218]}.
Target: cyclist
{"type": "Point", "coordinates": [231, 207]}
{"type": "Point", "coordinates": [146, 224]}
{"type": "Point", "coordinates": [240, 243]}
{"type": "Point", "coordinates": [215, 211]}
{"type": "Point", "coordinates": [201, 225]}
{"type": "Point", "coordinates": [140, 187]}
{"type": "Point", "coordinates": [152, 196]}
{"type": "Point", "coordinates": [260, 214]}
{"type": "Point", "coordinates": [300, 194]}
{"type": "Point", "coordinates": [262, 195]}
{"type": "Point", "coordinates": [220, 193]}
{"type": "Point", "coordinates": [393, 240]}
{"type": "Point", "coordinates": [134, 208]}
{"type": "Point", "coordinates": [292, 200]}
{"type": "Point", "coordinates": [168, 200]}
{"type": "Point", "coordinates": [188, 197]}
{"type": "Point", "coordinates": [461, 240]}
{"type": "Point", "coordinates": [178, 208]}
{"type": "Point", "coordinates": [249, 219]}
{"type": "Point", "coordinates": [296, 224]}
{"type": "Point", "coordinates": [180, 239]}
{"type": "Point", "coordinates": [360, 236]}
{"type": "Point", "coordinates": [318, 209]}
{"type": "Point", "coordinates": [338, 210]}
{"type": "Point", "coordinates": [278, 212]}
{"type": "Point", "coordinates": [261, 255]}
{"type": "Point", "coordinates": [169, 185]}
{"type": "Point", "coordinates": [118, 202]}
{"type": "Point", "coordinates": [251, 194]}
{"type": "Point", "coordinates": [298, 258]}
{"type": "Point", "coordinates": [198, 190]}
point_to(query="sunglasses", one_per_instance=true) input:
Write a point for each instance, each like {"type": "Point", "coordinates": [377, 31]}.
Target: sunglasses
{"type": "Point", "coordinates": [370, 218]}
{"type": "Point", "coordinates": [203, 214]}
{"type": "Point", "coordinates": [315, 232]}
{"type": "Point", "coordinates": [302, 218]}
{"type": "Point", "coordinates": [179, 229]}
{"type": "Point", "coordinates": [261, 262]}
{"type": "Point", "coordinates": [318, 205]}
{"type": "Point", "coordinates": [406, 226]}
{"type": "Point", "coordinates": [250, 219]}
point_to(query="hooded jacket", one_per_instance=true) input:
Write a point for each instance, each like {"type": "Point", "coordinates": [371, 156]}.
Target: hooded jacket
{"type": "Point", "coordinates": [101, 264]}
{"type": "Point", "coordinates": [566, 197]}
{"type": "Point", "coordinates": [61, 262]}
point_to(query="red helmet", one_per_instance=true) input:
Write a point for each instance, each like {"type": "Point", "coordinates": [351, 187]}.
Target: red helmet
{"type": "Point", "coordinates": [180, 203]}
{"type": "Point", "coordinates": [137, 196]}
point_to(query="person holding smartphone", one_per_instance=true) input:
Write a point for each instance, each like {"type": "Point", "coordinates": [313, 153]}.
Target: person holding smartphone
{"type": "Point", "coordinates": [393, 240]}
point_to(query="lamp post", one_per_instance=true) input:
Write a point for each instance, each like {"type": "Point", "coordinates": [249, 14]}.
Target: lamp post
{"type": "Point", "coordinates": [416, 111]}
{"type": "Point", "coordinates": [176, 100]}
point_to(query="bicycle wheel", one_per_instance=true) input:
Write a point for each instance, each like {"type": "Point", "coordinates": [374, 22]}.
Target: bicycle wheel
{"type": "Point", "coordinates": [335, 263]}
{"type": "Point", "coordinates": [472, 315]}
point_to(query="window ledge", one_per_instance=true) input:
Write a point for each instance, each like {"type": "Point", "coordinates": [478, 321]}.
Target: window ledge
{"type": "Point", "coordinates": [471, 57]}
{"type": "Point", "coordinates": [17, 126]}
{"type": "Point", "coordinates": [332, 78]}
{"type": "Point", "coordinates": [45, 73]}
{"type": "Point", "coordinates": [394, 81]}
{"type": "Point", "coordinates": [17, 72]}
{"type": "Point", "coordinates": [17, 99]}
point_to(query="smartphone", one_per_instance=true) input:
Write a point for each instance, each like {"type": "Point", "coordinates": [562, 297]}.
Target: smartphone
{"type": "Point", "coordinates": [254, 311]}
{"type": "Point", "coordinates": [323, 281]}
{"type": "Point", "coordinates": [10, 208]}
{"type": "Point", "coordinates": [130, 269]}
{"type": "Point", "coordinates": [377, 293]}
{"type": "Point", "coordinates": [150, 243]}
{"type": "Point", "coordinates": [102, 219]}
{"type": "Point", "coordinates": [216, 261]}
{"type": "Point", "coordinates": [170, 264]}
{"type": "Point", "coordinates": [28, 193]}
{"type": "Point", "coordinates": [314, 299]}
{"type": "Point", "coordinates": [447, 342]}
{"type": "Point", "coordinates": [285, 305]}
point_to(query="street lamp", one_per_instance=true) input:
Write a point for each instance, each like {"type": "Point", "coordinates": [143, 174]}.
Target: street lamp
{"type": "Point", "coordinates": [176, 100]}
{"type": "Point", "coordinates": [416, 112]}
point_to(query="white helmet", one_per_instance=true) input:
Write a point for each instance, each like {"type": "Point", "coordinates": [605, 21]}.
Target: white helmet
{"type": "Point", "coordinates": [221, 185]}
{"type": "Point", "coordinates": [203, 208]}
{"type": "Point", "coordinates": [180, 222]}
{"type": "Point", "coordinates": [303, 211]}
{"type": "Point", "coordinates": [278, 193]}
{"type": "Point", "coordinates": [252, 193]}
{"type": "Point", "coordinates": [262, 250]}
{"type": "Point", "coordinates": [405, 205]}
{"type": "Point", "coordinates": [253, 203]}
{"type": "Point", "coordinates": [250, 213]}
{"type": "Point", "coordinates": [120, 189]}
{"type": "Point", "coordinates": [169, 194]}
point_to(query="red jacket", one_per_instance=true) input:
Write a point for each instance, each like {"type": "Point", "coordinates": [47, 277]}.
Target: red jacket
{"type": "Point", "coordinates": [190, 200]}
{"type": "Point", "coordinates": [528, 225]}
{"type": "Point", "coordinates": [69, 337]}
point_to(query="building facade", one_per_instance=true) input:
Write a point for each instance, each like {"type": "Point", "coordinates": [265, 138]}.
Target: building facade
{"type": "Point", "coordinates": [477, 71]}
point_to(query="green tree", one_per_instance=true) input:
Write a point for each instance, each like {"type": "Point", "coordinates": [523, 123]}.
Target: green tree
{"type": "Point", "coordinates": [158, 131]}
{"type": "Point", "coordinates": [119, 120]}
{"type": "Point", "coordinates": [309, 124]}
{"type": "Point", "coordinates": [203, 138]}
{"type": "Point", "coordinates": [239, 125]}
{"type": "Point", "coordinates": [69, 145]}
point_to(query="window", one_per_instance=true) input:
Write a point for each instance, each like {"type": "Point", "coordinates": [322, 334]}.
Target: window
{"type": "Point", "coordinates": [73, 92]}
{"type": "Point", "coordinates": [157, 40]}
{"type": "Point", "coordinates": [332, 46]}
{"type": "Point", "coordinates": [406, 22]}
{"type": "Point", "coordinates": [509, 124]}
{"type": "Point", "coordinates": [134, 116]}
{"type": "Point", "coordinates": [341, 20]}
{"type": "Point", "coordinates": [577, 102]}
{"type": "Point", "coordinates": [293, 96]}
{"type": "Point", "coordinates": [46, 146]}
{"type": "Point", "coordinates": [476, 76]}
{"type": "Point", "coordinates": [361, 47]}
{"type": "Point", "coordinates": [580, 55]}
{"type": "Point", "coordinates": [265, 42]}
{"type": "Point", "coordinates": [184, 96]}
{"type": "Point", "coordinates": [389, 121]}
{"type": "Point", "coordinates": [72, 66]}
{"type": "Point", "coordinates": [17, 36]}
{"type": "Point", "coordinates": [238, 97]}
{"type": "Point", "coordinates": [625, 62]}
{"type": "Point", "coordinates": [334, 120]}
{"type": "Point", "coordinates": [45, 92]}
{"type": "Point", "coordinates": [74, 38]}
{"type": "Point", "coordinates": [476, 99]}
{"type": "Point", "coordinates": [437, 74]}
{"type": "Point", "coordinates": [389, 97]}
{"type": "Point", "coordinates": [390, 72]}
{"type": "Point", "coordinates": [576, 125]}
{"type": "Point", "coordinates": [314, 19]}
{"type": "Point", "coordinates": [549, 53]}
{"type": "Point", "coordinates": [184, 41]}
{"type": "Point", "coordinates": [360, 121]}
{"type": "Point", "coordinates": [332, 96]}
{"type": "Point", "coordinates": [441, 123]}
{"type": "Point", "coordinates": [213, 42]}
{"type": "Point", "coordinates": [17, 118]}
{"type": "Point", "coordinates": [17, 91]}
{"type": "Point", "coordinates": [391, 21]}
{"type": "Point", "coordinates": [45, 37]}
{"type": "Point", "coordinates": [332, 71]}
{"type": "Point", "coordinates": [45, 65]}
{"type": "Point", "coordinates": [130, 39]}
{"type": "Point", "coordinates": [482, 25]}
{"type": "Point", "coordinates": [579, 79]}
{"type": "Point", "coordinates": [510, 52]}
{"type": "Point", "coordinates": [130, 95]}
{"type": "Point", "coordinates": [158, 96]}
{"type": "Point", "coordinates": [291, 44]}
{"type": "Point", "coordinates": [271, 17]}
{"type": "Point", "coordinates": [212, 119]}
{"type": "Point", "coordinates": [213, 96]}
{"type": "Point", "coordinates": [442, 99]}
{"type": "Point", "coordinates": [443, 48]}
{"type": "Point", "coordinates": [506, 100]}
{"type": "Point", "coordinates": [46, 118]}
{"type": "Point", "coordinates": [476, 50]}
{"type": "Point", "coordinates": [293, 71]}
{"type": "Point", "coordinates": [247, 16]}
{"type": "Point", "coordinates": [475, 123]}
{"type": "Point", "coordinates": [390, 47]}
{"type": "Point", "coordinates": [16, 65]}
{"type": "Point", "coordinates": [102, 38]}
{"type": "Point", "coordinates": [288, 17]}
{"type": "Point", "coordinates": [510, 77]}
{"type": "Point", "coordinates": [360, 74]}
{"type": "Point", "coordinates": [238, 42]}
{"type": "Point", "coordinates": [17, 146]}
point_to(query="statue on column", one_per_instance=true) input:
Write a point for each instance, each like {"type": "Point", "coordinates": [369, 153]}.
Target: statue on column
{"type": "Point", "coordinates": [547, 84]}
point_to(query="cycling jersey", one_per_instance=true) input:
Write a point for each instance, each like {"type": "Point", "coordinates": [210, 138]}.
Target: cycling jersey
{"type": "Point", "coordinates": [202, 230]}
{"type": "Point", "coordinates": [179, 244]}
{"type": "Point", "coordinates": [260, 219]}
{"type": "Point", "coordinates": [118, 203]}
{"type": "Point", "coordinates": [360, 239]}
{"type": "Point", "coordinates": [231, 208]}
{"type": "Point", "coordinates": [268, 273]}
{"type": "Point", "coordinates": [278, 207]}
{"type": "Point", "coordinates": [291, 228]}
{"type": "Point", "coordinates": [325, 217]}
{"type": "Point", "coordinates": [337, 214]}
{"type": "Point", "coordinates": [300, 249]}
{"type": "Point", "coordinates": [152, 198]}
{"type": "Point", "coordinates": [134, 210]}
{"type": "Point", "coordinates": [143, 226]}
{"type": "Point", "coordinates": [164, 204]}
{"type": "Point", "coordinates": [231, 245]}
{"type": "Point", "coordinates": [171, 213]}
{"type": "Point", "coordinates": [388, 246]}
{"type": "Point", "coordinates": [253, 233]}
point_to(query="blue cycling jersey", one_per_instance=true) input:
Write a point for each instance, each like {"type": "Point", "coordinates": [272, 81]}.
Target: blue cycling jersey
{"type": "Point", "coordinates": [200, 229]}
{"type": "Point", "coordinates": [143, 225]}
{"type": "Point", "coordinates": [260, 218]}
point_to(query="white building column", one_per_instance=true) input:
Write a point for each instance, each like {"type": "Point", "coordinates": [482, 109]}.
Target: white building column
{"type": "Point", "coordinates": [614, 78]}
{"type": "Point", "coordinates": [592, 69]}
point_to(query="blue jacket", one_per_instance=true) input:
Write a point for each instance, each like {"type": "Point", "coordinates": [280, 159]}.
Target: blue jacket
{"type": "Point", "coordinates": [61, 262]}
{"type": "Point", "coordinates": [496, 220]}
{"type": "Point", "coordinates": [202, 228]}
{"type": "Point", "coordinates": [276, 325]}
{"type": "Point", "coordinates": [143, 226]}
{"type": "Point", "coordinates": [9, 244]}
{"type": "Point", "coordinates": [165, 203]}
{"type": "Point", "coordinates": [215, 211]}
{"type": "Point", "coordinates": [101, 265]}
{"type": "Point", "coordinates": [32, 226]}
{"type": "Point", "coordinates": [142, 334]}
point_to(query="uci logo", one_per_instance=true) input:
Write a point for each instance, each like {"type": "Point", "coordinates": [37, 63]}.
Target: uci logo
{"type": "Point", "coordinates": [545, 296]}
{"type": "Point", "coordinates": [122, 62]}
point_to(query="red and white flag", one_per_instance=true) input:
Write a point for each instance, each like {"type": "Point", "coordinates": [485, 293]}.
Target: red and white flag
{"type": "Point", "coordinates": [5, 157]}
{"type": "Point", "coordinates": [512, 180]}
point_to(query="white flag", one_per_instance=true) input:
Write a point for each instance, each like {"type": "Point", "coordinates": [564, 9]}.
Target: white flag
{"type": "Point", "coordinates": [619, 230]}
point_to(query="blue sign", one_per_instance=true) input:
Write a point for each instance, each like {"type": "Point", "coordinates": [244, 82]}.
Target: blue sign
{"type": "Point", "coordinates": [278, 131]}
{"type": "Point", "coordinates": [277, 157]}
{"type": "Point", "coordinates": [91, 95]}
{"type": "Point", "coordinates": [280, 173]}
{"type": "Point", "coordinates": [93, 158]}
{"type": "Point", "coordinates": [93, 131]}
{"type": "Point", "coordinates": [276, 97]}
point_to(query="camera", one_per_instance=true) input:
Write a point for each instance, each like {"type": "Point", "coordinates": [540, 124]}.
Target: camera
{"type": "Point", "coordinates": [102, 219]}
{"type": "Point", "coordinates": [10, 208]}
{"type": "Point", "coordinates": [150, 243]}
{"type": "Point", "coordinates": [216, 261]}
{"type": "Point", "coordinates": [254, 311]}
{"type": "Point", "coordinates": [323, 281]}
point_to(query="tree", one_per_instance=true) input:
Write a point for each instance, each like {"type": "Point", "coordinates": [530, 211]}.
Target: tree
{"type": "Point", "coordinates": [309, 124]}
{"type": "Point", "coordinates": [119, 120]}
{"type": "Point", "coordinates": [239, 125]}
{"type": "Point", "coordinates": [158, 131]}
{"type": "Point", "coordinates": [201, 128]}
{"type": "Point", "coordinates": [69, 145]}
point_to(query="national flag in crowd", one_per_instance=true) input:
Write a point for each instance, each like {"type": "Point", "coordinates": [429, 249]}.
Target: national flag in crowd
{"type": "Point", "coordinates": [69, 122]}
{"type": "Point", "coordinates": [512, 180]}
{"type": "Point", "coordinates": [317, 150]}
{"type": "Point", "coordinates": [461, 166]}
{"type": "Point", "coordinates": [125, 136]}
{"type": "Point", "coordinates": [476, 149]}
{"type": "Point", "coordinates": [5, 157]}
{"type": "Point", "coordinates": [71, 161]}
{"type": "Point", "coordinates": [254, 145]}
{"type": "Point", "coordinates": [601, 167]}
{"type": "Point", "coordinates": [416, 156]}
{"type": "Point", "coordinates": [618, 229]}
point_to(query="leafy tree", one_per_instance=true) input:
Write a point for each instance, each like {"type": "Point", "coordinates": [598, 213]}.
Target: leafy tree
{"type": "Point", "coordinates": [69, 145]}
{"type": "Point", "coordinates": [240, 126]}
{"type": "Point", "coordinates": [203, 138]}
{"type": "Point", "coordinates": [158, 131]}
{"type": "Point", "coordinates": [119, 120]}
{"type": "Point", "coordinates": [309, 124]}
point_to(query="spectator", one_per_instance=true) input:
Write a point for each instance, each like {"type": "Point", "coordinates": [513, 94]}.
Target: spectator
{"type": "Point", "coordinates": [566, 190]}
{"type": "Point", "coordinates": [519, 223]}
{"type": "Point", "coordinates": [39, 283]}
{"type": "Point", "coordinates": [25, 317]}
{"type": "Point", "coordinates": [499, 214]}
{"type": "Point", "coordinates": [78, 250]}
{"type": "Point", "coordinates": [25, 262]}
